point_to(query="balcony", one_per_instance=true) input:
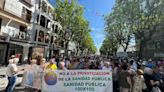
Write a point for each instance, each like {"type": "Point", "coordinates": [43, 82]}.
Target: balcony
{"type": "Point", "coordinates": [22, 35]}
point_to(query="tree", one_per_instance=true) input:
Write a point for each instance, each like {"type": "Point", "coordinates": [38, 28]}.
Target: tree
{"type": "Point", "coordinates": [75, 27]}
{"type": "Point", "coordinates": [150, 16]}
{"type": "Point", "coordinates": [89, 44]}
{"type": "Point", "coordinates": [143, 17]}
{"type": "Point", "coordinates": [109, 46]}
{"type": "Point", "coordinates": [139, 18]}
{"type": "Point", "coordinates": [116, 24]}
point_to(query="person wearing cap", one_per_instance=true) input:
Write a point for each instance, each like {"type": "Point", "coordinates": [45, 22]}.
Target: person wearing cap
{"type": "Point", "coordinates": [51, 65]}
{"type": "Point", "coordinates": [139, 81]}
{"type": "Point", "coordinates": [12, 71]}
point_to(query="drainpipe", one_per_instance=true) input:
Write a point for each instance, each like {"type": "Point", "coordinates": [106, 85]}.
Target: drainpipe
{"type": "Point", "coordinates": [8, 37]}
{"type": "Point", "coordinates": [8, 23]}
{"type": "Point", "coordinates": [7, 40]}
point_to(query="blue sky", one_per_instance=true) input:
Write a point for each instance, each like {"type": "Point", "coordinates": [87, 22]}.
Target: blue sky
{"type": "Point", "coordinates": [94, 11]}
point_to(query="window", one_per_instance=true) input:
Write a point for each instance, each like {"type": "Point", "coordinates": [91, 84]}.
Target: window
{"type": "Point", "coordinates": [26, 14]}
{"type": "Point", "coordinates": [41, 36]}
{"type": "Point", "coordinates": [0, 22]}
{"type": "Point", "coordinates": [48, 24]}
{"type": "Point", "coordinates": [22, 28]}
{"type": "Point", "coordinates": [47, 38]}
{"type": "Point", "coordinates": [52, 39]}
{"type": "Point", "coordinates": [56, 29]}
{"type": "Point", "coordinates": [44, 6]}
{"type": "Point", "coordinates": [35, 35]}
{"type": "Point", "coordinates": [42, 21]}
{"type": "Point", "coordinates": [38, 18]}
{"type": "Point", "coordinates": [53, 27]}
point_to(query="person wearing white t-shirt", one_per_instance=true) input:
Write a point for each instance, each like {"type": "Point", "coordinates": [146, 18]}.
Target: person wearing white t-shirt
{"type": "Point", "coordinates": [11, 73]}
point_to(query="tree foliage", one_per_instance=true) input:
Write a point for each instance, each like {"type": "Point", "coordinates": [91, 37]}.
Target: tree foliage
{"type": "Point", "coordinates": [109, 46]}
{"type": "Point", "coordinates": [139, 18]}
{"type": "Point", "coordinates": [75, 26]}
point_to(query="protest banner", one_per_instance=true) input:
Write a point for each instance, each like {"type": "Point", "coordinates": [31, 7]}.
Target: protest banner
{"type": "Point", "coordinates": [32, 78]}
{"type": "Point", "coordinates": [77, 81]}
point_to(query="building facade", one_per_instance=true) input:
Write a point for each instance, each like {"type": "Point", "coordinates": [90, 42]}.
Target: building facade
{"type": "Point", "coordinates": [15, 16]}
{"type": "Point", "coordinates": [154, 47]}
{"type": "Point", "coordinates": [45, 37]}
{"type": "Point", "coordinates": [27, 27]}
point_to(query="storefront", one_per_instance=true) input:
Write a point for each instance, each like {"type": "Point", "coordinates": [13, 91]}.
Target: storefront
{"type": "Point", "coordinates": [36, 51]}
{"type": "Point", "coordinates": [3, 49]}
{"type": "Point", "coordinates": [9, 48]}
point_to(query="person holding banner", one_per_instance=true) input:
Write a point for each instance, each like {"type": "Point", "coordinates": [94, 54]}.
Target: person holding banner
{"type": "Point", "coordinates": [38, 77]}
{"type": "Point", "coordinates": [42, 65]}
{"type": "Point", "coordinates": [29, 77]}
{"type": "Point", "coordinates": [51, 65]}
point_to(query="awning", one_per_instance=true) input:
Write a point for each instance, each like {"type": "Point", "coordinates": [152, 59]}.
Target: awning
{"type": "Point", "coordinates": [13, 17]}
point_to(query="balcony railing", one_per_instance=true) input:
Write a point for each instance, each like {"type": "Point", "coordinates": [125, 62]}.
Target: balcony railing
{"type": "Point", "coordinates": [22, 36]}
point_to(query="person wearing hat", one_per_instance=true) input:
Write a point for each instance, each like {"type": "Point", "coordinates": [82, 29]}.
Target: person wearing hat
{"type": "Point", "coordinates": [12, 71]}
{"type": "Point", "coordinates": [139, 81]}
{"type": "Point", "coordinates": [51, 65]}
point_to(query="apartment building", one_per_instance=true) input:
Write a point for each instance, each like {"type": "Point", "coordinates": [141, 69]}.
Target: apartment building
{"type": "Point", "coordinates": [154, 47]}
{"type": "Point", "coordinates": [15, 16]}
{"type": "Point", "coordinates": [45, 38]}
{"type": "Point", "coordinates": [27, 27]}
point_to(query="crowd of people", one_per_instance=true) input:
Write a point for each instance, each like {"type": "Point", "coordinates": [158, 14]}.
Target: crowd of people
{"type": "Point", "coordinates": [129, 75]}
